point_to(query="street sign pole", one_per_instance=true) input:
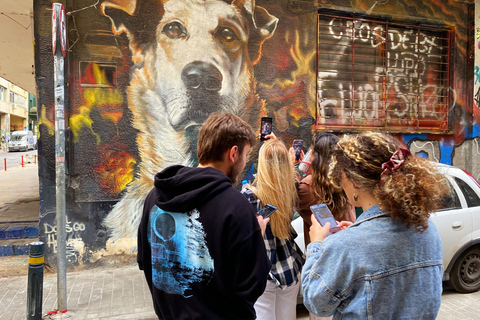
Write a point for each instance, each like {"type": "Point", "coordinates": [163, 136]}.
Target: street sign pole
{"type": "Point", "coordinates": [59, 43]}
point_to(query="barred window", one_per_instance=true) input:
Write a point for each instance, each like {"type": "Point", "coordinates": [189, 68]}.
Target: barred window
{"type": "Point", "coordinates": [383, 75]}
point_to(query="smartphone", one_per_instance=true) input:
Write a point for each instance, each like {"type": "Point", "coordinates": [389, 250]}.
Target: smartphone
{"type": "Point", "coordinates": [265, 127]}
{"type": "Point", "coordinates": [297, 147]}
{"type": "Point", "coordinates": [267, 211]}
{"type": "Point", "coordinates": [323, 215]}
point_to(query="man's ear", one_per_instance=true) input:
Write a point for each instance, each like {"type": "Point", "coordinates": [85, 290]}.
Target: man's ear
{"type": "Point", "coordinates": [233, 154]}
{"type": "Point", "coordinates": [263, 26]}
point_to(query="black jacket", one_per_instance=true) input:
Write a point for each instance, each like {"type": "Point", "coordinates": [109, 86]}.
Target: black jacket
{"type": "Point", "coordinates": [205, 245]}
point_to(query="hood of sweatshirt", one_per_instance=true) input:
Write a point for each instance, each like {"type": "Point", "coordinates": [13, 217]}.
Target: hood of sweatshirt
{"type": "Point", "coordinates": [182, 189]}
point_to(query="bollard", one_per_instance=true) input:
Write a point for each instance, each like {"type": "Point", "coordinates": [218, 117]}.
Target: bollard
{"type": "Point", "coordinates": [35, 281]}
{"type": "Point", "coordinates": [22, 161]}
{"type": "Point", "coordinates": [5, 160]}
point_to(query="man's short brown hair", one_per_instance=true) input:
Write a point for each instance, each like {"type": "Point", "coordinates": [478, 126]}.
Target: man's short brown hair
{"type": "Point", "coordinates": [221, 132]}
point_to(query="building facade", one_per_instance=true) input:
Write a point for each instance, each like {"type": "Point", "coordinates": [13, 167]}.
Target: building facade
{"type": "Point", "coordinates": [14, 108]}
{"type": "Point", "coordinates": [142, 76]}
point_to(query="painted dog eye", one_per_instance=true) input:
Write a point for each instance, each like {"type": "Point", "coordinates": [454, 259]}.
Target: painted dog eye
{"type": "Point", "coordinates": [226, 34]}
{"type": "Point", "coordinates": [174, 30]}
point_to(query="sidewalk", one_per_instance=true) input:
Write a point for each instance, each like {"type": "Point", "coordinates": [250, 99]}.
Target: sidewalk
{"type": "Point", "coordinates": [19, 208]}
{"type": "Point", "coordinates": [100, 293]}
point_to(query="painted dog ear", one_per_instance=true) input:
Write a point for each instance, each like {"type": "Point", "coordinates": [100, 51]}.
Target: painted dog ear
{"type": "Point", "coordinates": [137, 18]}
{"type": "Point", "coordinates": [263, 26]}
{"type": "Point", "coordinates": [121, 13]}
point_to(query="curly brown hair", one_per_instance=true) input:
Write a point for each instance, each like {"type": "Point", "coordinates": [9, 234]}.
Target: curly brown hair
{"type": "Point", "coordinates": [409, 193]}
{"type": "Point", "coordinates": [325, 192]}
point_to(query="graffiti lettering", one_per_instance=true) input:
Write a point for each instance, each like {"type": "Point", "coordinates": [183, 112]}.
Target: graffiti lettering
{"type": "Point", "coordinates": [403, 77]}
{"type": "Point", "coordinates": [477, 74]}
{"type": "Point", "coordinates": [396, 39]}
{"type": "Point", "coordinates": [73, 235]}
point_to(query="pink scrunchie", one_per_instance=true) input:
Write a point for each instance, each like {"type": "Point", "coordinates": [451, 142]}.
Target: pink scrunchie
{"type": "Point", "coordinates": [396, 160]}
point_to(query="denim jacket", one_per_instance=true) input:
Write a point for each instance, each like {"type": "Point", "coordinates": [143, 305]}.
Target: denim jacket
{"type": "Point", "coordinates": [375, 269]}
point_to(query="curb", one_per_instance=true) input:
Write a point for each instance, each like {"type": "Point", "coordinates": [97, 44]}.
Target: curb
{"type": "Point", "coordinates": [15, 240]}
{"type": "Point", "coordinates": [18, 232]}
{"type": "Point", "coordinates": [15, 247]}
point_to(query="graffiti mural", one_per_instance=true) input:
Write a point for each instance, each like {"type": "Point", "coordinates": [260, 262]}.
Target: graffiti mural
{"type": "Point", "coordinates": [382, 75]}
{"type": "Point", "coordinates": [143, 75]}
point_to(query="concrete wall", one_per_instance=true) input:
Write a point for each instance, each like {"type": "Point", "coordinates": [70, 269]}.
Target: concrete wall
{"type": "Point", "coordinates": [133, 107]}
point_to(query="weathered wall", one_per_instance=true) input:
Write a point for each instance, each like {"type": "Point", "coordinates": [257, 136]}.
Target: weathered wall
{"type": "Point", "coordinates": [143, 76]}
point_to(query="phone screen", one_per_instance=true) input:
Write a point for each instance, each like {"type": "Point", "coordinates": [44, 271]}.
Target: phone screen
{"type": "Point", "coordinates": [265, 127]}
{"type": "Point", "coordinates": [297, 147]}
{"type": "Point", "coordinates": [323, 215]}
{"type": "Point", "coordinates": [267, 210]}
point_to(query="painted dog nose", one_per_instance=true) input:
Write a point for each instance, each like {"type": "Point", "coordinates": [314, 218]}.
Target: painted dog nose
{"type": "Point", "coordinates": [200, 75]}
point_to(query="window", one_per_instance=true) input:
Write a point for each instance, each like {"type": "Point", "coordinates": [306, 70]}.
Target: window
{"type": "Point", "coordinates": [383, 75]}
{"type": "Point", "coordinates": [3, 91]}
{"type": "Point", "coordinates": [19, 100]}
{"type": "Point", "coordinates": [12, 97]}
{"type": "Point", "coordinates": [97, 75]}
{"type": "Point", "coordinates": [450, 200]}
{"type": "Point", "coordinates": [472, 198]}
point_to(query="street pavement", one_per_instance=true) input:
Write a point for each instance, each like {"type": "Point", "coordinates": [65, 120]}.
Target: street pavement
{"type": "Point", "coordinates": [14, 159]}
{"type": "Point", "coordinates": [115, 289]}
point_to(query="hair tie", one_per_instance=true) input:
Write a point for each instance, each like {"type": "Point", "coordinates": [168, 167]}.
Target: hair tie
{"type": "Point", "coordinates": [396, 160]}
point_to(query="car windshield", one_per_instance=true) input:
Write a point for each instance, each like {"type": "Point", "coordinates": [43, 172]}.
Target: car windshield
{"type": "Point", "coordinates": [18, 137]}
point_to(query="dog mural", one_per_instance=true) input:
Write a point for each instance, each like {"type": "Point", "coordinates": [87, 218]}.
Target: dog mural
{"type": "Point", "coordinates": [190, 58]}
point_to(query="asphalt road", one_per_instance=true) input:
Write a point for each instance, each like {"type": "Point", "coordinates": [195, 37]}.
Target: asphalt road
{"type": "Point", "coordinates": [14, 158]}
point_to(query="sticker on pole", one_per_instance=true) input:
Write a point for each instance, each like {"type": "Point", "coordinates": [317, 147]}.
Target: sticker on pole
{"type": "Point", "coordinates": [59, 30]}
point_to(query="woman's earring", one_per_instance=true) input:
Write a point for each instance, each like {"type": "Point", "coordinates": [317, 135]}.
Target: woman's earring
{"type": "Point", "coordinates": [355, 197]}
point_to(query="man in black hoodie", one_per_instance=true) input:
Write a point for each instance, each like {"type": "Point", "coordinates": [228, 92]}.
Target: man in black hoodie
{"type": "Point", "coordinates": [199, 242]}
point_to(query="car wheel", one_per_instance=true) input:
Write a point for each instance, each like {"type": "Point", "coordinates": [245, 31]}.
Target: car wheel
{"type": "Point", "coordinates": [465, 274]}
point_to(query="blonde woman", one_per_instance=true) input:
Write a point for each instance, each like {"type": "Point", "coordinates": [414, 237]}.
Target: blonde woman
{"type": "Point", "coordinates": [275, 184]}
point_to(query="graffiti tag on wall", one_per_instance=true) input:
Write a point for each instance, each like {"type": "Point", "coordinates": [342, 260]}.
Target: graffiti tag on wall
{"type": "Point", "coordinates": [74, 238]}
{"type": "Point", "coordinates": [375, 74]}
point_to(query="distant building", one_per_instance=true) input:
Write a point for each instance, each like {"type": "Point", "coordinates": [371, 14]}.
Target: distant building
{"type": "Point", "coordinates": [17, 109]}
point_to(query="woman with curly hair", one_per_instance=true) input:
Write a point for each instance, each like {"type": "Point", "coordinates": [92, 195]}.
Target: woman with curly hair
{"type": "Point", "coordinates": [274, 184]}
{"type": "Point", "coordinates": [388, 264]}
{"type": "Point", "coordinates": [316, 187]}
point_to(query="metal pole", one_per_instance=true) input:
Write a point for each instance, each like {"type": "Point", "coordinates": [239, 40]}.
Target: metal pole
{"type": "Point", "coordinates": [35, 281]}
{"type": "Point", "coordinates": [59, 49]}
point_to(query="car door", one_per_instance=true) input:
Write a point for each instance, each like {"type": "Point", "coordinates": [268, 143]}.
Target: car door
{"type": "Point", "coordinates": [454, 220]}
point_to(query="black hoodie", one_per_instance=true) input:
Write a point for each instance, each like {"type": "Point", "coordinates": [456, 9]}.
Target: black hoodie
{"type": "Point", "coordinates": [205, 245]}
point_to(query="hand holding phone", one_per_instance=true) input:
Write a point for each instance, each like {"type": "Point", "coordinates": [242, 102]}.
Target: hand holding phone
{"type": "Point", "coordinates": [323, 215]}
{"type": "Point", "coordinates": [267, 211]}
{"type": "Point", "coordinates": [265, 127]}
{"type": "Point", "coordinates": [298, 148]}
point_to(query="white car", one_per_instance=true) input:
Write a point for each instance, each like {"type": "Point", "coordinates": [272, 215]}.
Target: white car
{"type": "Point", "coordinates": [459, 226]}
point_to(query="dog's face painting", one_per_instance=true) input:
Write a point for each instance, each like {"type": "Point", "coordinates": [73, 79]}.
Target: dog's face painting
{"type": "Point", "coordinates": [204, 61]}
{"type": "Point", "coordinates": [190, 58]}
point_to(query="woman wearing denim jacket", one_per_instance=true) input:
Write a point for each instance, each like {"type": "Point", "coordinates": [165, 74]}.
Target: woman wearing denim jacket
{"type": "Point", "coordinates": [388, 264]}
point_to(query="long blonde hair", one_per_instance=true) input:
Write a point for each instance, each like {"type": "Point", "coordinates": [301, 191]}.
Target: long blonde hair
{"type": "Point", "coordinates": [275, 185]}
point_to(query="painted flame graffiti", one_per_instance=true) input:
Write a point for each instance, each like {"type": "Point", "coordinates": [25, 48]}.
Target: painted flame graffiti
{"type": "Point", "coordinates": [117, 168]}
{"type": "Point", "coordinates": [289, 89]}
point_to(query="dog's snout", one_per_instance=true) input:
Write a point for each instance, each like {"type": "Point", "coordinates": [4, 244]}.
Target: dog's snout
{"type": "Point", "coordinates": [200, 75]}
